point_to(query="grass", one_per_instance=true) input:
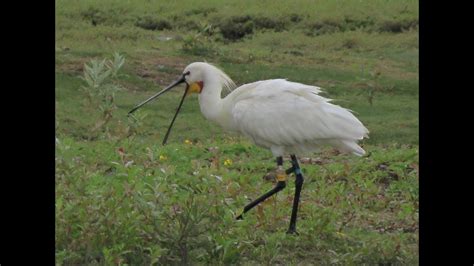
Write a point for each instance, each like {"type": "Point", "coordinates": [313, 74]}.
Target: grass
{"type": "Point", "coordinates": [122, 198]}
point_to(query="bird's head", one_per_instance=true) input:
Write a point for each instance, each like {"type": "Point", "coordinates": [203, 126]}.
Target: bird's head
{"type": "Point", "coordinates": [200, 74]}
{"type": "Point", "coordinates": [195, 76]}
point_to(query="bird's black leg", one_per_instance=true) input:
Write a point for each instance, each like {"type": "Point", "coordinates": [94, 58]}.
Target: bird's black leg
{"type": "Point", "coordinates": [281, 184]}
{"type": "Point", "coordinates": [298, 185]}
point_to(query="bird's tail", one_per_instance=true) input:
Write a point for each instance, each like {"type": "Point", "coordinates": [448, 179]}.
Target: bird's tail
{"type": "Point", "coordinates": [352, 147]}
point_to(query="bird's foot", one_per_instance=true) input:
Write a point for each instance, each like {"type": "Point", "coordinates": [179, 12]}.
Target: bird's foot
{"type": "Point", "coordinates": [240, 217]}
{"type": "Point", "coordinates": [292, 231]}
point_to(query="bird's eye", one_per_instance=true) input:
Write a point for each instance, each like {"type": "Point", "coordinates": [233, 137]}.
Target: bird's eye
{"type": "Point", "coordinates": [186, 73]}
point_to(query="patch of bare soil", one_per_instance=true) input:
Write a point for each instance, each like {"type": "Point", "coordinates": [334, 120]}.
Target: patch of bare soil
{"type": "Point", "coordinates": [161, 70]}
{"type": "Point", "coordinates": [74, 66]}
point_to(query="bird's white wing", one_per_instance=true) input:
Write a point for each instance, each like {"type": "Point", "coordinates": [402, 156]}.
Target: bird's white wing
{"type": "Point", "coordinates": [279, 112]}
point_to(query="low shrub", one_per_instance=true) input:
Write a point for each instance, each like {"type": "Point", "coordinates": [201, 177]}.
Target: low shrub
{"type": "Point", "coordinates": [236, 28]}
{"type": "Point", "coordinates": [153, 23]}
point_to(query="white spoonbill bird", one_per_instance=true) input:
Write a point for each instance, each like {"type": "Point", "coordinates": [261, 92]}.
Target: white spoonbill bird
{"type": "Point", "coordinates": [283, 116]}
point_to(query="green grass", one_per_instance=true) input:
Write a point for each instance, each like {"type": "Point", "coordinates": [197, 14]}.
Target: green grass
{"type": "Point", "coordinates": [122, 198]}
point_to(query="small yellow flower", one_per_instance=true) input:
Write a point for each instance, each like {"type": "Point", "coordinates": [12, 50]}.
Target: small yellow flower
{"type": "Point", "coordinates": [163, 158]}
{"type": "Point", "coordinates": [228, 162]}
{"type": "Point", "coordinates": [188, 141]}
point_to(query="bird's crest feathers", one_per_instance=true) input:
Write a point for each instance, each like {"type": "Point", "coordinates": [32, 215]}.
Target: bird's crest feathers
{"type": "Point", "coordinates": [227, 82]}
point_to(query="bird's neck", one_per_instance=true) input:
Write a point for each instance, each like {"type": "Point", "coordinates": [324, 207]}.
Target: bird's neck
{"type": "Point", "coordinates": [210, 100]}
